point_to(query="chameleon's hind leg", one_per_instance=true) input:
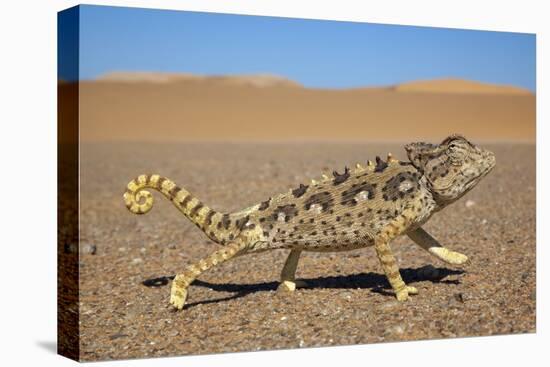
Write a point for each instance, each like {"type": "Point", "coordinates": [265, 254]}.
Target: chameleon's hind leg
{"type": "Point", "coordinates": [430, 244]}
{"type": "Point", "coordinates": [288, 281]}
{"type": "Point", "coordinates": [387, 259]}
{"type": "Point", "coordinates": [178, 293]}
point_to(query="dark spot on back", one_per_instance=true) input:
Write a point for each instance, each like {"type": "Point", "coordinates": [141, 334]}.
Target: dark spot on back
{"type": "Point", "coordinates": [225, 222]}
{"type": "Point", "coordinates": [240, 223]}
{"type": "Point", "coordinates": [289, 212]}
{"type": "Point", "coordinates": [348, 196]}
{"type": "Point", "coordinates": [391, 189]}
{"type": "Point", "coordinates": [324, 199]}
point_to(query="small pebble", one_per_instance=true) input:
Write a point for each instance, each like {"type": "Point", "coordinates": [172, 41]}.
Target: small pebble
{"type": "Point", "coordinates": [396, 329]}
{"type": "Point", "coordinates": [469, 203]}
{"type": "Point", "coordinates": [137, 260]}
{"type": "Point", "coordinates": [89, 249]}
{"type": "Point", "coordinates": [390, 304]}
{"type": "Point", "coordinates": [118, 336]}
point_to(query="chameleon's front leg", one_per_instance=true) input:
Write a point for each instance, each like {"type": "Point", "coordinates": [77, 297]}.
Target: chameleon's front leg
{"type": "Point", "coordinates": [389, 264]}
{"type": "Point", "coordinates": [288, 281]}
{"type": "Point", "coordinates": [386, 257]}
{"type": "Point", "coordinates": [430, 244]}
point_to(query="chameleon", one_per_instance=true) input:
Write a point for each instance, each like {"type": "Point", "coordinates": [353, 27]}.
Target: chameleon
{"type": "Point", "coordinates": [368, 206]}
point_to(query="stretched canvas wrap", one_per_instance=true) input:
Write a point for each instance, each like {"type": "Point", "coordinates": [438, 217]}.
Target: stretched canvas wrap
{"type": "Point", "coordinates": [235, 183]}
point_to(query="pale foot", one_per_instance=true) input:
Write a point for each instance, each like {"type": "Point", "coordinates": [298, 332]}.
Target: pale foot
{"type": "Point", "coordinates": [404, 293]}
{"type": "Point", "coordinates": [178, 297]}
{"type": "Point", "coordinates": [291, 285]}
{"type": "Point", "coordinates": [451, 257]}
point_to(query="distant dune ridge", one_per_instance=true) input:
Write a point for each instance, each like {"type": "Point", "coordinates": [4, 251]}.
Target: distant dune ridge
{"type": "Point", "coordinates": [256, 80]}
{"type": "Point", "coordinates": [147, 106]}
{"type": "Point", "coordinates": [459, 86]}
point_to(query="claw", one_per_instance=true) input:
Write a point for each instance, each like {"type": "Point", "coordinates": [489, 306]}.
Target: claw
{"type": "Point", "coordinates": [178, 297]}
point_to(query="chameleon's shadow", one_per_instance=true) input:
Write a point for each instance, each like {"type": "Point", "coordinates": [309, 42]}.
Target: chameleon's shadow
{"type": "Point", "coordinates": [376, 282]}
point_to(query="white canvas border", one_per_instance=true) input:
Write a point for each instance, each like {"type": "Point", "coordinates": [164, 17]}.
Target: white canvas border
{"type": "Point", "coordinates": [28, 157]}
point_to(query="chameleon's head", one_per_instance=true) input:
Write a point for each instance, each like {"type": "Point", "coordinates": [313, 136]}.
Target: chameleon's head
{"type": "Point", "coordinates": [451, 168]}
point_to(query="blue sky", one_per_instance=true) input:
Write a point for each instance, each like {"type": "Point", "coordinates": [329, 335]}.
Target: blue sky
{"type": "Point", "coordinates": [315, 53]}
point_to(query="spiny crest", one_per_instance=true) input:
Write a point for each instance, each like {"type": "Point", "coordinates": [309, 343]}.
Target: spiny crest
{"type": "Point", "coordinates": [380, 165]}
{"type": "Point", "coordinates": [338, 178]}
{"type": "Point", "coordinates": [359, 168]}
{"type": "Point", "coordinates": [391, 159]}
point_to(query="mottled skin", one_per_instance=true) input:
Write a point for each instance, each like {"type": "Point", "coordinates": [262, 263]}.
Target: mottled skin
{"type": "Point", "coordinates": [369, 206]}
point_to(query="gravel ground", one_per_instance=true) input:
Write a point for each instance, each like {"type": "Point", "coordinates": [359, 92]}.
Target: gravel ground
{"type": "Point", "coordinates": [235, 307]}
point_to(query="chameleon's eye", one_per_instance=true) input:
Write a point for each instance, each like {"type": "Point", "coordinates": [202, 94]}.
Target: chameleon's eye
{"type": "Point", "coordinates": [456, 154]}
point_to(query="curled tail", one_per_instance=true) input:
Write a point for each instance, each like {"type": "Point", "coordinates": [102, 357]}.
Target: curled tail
{"type": "Point", "coordinates": [218, 227]}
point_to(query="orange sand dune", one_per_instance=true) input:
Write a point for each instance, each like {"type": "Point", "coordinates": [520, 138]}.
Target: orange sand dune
{"type": "Point", "coordinates": [181, 107]}
{"type": "Point", "coordinates": [459, 86]}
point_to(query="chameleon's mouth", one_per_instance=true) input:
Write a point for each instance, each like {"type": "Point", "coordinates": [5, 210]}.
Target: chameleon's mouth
{"type": "Point", "coordinates": [490, 162]}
